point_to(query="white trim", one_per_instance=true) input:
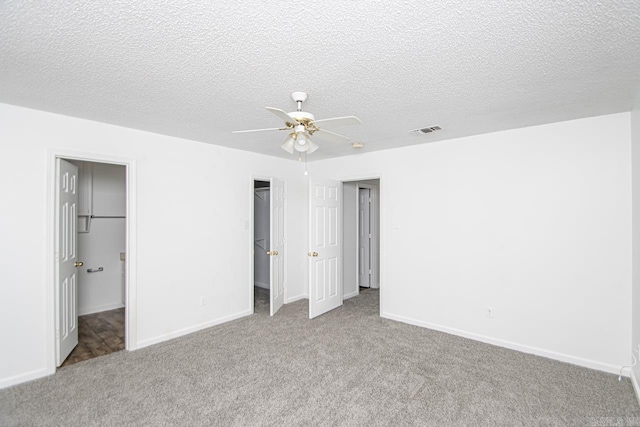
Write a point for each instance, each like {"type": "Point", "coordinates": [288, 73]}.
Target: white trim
{"type": "Point", "coordinates": [587, 363]}
{"type": "Point", "coordinates": [352, 294]}
{"type": "Point", "coordinates": [29, 376]}
{"type": "Point", "coordinates": [50, 249]}
{"type": "Point", "coordinates": [636, 386]}
{"type": "Point", "coordinates": [262, 285]}
{"type": "Point", "coordinates": [192, 329]}
{"type": "Point", "coordinates": [296, 298]}
{"type": "Point", "coordinates": [100, 308]}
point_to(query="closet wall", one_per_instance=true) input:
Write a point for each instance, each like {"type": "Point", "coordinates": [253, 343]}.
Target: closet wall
{"type": "Point", "coordinates": [101, 240]}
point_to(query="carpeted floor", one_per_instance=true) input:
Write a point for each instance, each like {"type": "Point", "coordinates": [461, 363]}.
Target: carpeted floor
{"type": "Point", "coordinates": [348, 367]}
{"type": "Point", "coordinates": [260, 300]}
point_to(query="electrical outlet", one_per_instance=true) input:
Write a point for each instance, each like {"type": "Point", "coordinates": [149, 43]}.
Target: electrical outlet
{"type": "Point", "coordinates": [202, 301]}
{"type": "Point", "coordinates": [489, 312]}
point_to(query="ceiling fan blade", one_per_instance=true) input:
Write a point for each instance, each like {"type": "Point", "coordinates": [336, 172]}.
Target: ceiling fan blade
{"type": "Point", "coordinates": [282, 115]}
{"type": "Point", "coordinates": [329, 136]}
{"type": "Point", "coordinates": [258, 130]}
{"type": "Point", "coordinates": [337, 122]}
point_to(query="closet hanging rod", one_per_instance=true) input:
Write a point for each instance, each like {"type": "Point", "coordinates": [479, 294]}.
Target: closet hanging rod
{"type": "Point", "coordinates": [107, 216]}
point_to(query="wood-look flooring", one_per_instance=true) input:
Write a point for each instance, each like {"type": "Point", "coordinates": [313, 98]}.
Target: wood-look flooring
{"type": "Point", "coordinates": [98, 334]}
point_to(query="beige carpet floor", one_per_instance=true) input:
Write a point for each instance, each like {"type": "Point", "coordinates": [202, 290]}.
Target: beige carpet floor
{"type": "Point", "coordinates": [348, 367]}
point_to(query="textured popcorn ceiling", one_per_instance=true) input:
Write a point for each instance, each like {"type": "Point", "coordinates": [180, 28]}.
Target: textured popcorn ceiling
{"type": "Point", "coordinates": [200, 69]}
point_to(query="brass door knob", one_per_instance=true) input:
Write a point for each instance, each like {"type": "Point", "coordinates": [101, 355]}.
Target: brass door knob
{"type": "Point", "coordinates": [312, 254]}
{"type": "Point", "coordinates": [272, 253]}
{"type": "Point", "coordinates": [78, 264]}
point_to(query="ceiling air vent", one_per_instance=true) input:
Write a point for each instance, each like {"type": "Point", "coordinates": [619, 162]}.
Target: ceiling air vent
{"type": "Point", "coordinates": [426, 130]}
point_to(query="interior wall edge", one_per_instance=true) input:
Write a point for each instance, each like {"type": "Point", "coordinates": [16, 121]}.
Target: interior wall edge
{"type": "Point", "coordinates": [100, 309]}
{"type": "Point", "coordinates": [296, 298]}
{"type": "Point", "coordinates": [195, 328]}
{"type": "Point", "coordinates": [351, 295]}
{"type": "Point", "coordinates": [23, 378]}
{"type": "Point", "coordinates": [549, 354]}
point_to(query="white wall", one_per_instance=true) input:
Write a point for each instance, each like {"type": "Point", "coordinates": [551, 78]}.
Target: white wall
{"type": "Point", "coordinates": [102, 245]}
{"type": "Point", "coordinates": [192, 203]}
{"type": "Point", "coordinates": [635, 150]}
{"type": "Point", "coordinates": [533, 222]}
{"type": "Point", "coordinates": [109, 185]}
{"type": "Point", "coordinates": [349, 239]}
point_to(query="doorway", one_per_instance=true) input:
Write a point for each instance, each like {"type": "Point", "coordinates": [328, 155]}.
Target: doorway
{"type": "Point", "coordinates": [261, 245]}
{"type": "Point", "coordinates": [91, 313]}
{"type": "Point", "coordinates": [361, 236]}
{"type": "Point", "coordinates": [101, 217]}
{"type": "Point", "coordinates": [268, 238]}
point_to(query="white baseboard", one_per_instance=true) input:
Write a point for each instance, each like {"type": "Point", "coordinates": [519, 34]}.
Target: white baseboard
{"type": "Point", "coordinates": [587, 363]}
{"type": "Point", "coordinates": [191, 329]}
{"type": "Point", "coordinates": [262, 285]}
{"type": "Point", "coordinates": [636, 386]}
{"type": "Point", "coordinates": [98, 309]}
{"type": "Point", "coordinates": [23, 378]}
{"type": "Point", "coordinates": [296, 298]}
{"type": "Point", "coordinates": [351, 295]}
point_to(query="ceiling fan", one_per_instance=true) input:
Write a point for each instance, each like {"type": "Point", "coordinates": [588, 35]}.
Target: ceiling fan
{"type": "Point", "coordinates": [303, 126]}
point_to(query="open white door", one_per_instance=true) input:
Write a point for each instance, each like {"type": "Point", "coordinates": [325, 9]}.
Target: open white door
{"type": "Point", "coordinates": [364, 237]}
{"type": "Point", "coordinates": [66, 259]}
{"type": "Point", "coordinates": [276, 280]}
{"type": "Point", "coordinates": [325, 241]}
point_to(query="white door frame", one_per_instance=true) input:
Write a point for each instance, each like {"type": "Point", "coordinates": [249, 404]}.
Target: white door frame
{"type": "Point", "coordinates": [131, 318]}
{"type": "Point", "coordinates": [381, 224]}
{"type": "Point", "coordinates": [253, 179]}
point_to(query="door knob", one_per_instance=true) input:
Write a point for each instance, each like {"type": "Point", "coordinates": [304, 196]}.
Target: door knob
{"type": "Point", "coordinates": [78, 264]}
{"type": "Point", "coordinates": [272, 253]}
{"type": "Point", "coordinates": [313, 254]}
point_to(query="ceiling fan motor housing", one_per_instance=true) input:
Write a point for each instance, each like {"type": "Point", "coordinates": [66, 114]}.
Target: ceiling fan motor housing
{"type": "Point", "coordinates": [302, 117]}
{"type": "Point", "coordinates": [299, 96]}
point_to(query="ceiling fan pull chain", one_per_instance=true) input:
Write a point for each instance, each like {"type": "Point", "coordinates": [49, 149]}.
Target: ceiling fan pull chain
{"type": "Point", "coordinates": [305, 163]}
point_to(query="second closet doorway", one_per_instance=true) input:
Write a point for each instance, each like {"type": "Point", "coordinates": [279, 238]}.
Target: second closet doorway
{"type": "Point", "coordinates": [268, 245]}
{"type": "Point", "coordinates": [361, 239]}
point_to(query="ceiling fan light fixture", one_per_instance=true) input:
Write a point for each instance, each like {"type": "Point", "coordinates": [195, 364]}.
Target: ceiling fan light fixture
{"type": "Point", "coordinates": [288, 144]}
{"type": "Point", "coordinates": [301, 143]}
{"type": "Point", "coordinates": [312, 147]}
{"type": "Point", "coordinates": [301, 125]}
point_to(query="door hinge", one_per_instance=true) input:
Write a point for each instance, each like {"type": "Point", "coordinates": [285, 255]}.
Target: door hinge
{"type": "Point", "coordinates": [370, 235]}
{"type": "Point", "coordinates": [370, 272]}
{"type": "Point", "coordinates": [370, 200]}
